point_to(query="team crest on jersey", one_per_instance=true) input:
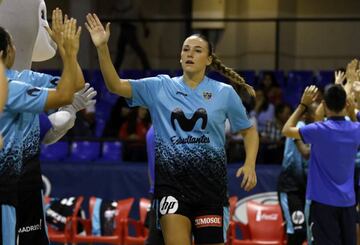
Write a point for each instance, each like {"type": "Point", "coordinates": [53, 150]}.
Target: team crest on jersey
{"type": "Point", "coordinates": [207, 95]}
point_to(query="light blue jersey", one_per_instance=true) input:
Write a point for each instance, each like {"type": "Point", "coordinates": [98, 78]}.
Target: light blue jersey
{"type": "Point", "coordinates": [22, 98]}
{"type": "Point", "coordinates": [294, 167]}
{"type": "Point", "coordinates": [31, 172]}
{"type": "Point", "coordinates": [189, 129]}
{"type": "Point", "coordinates": [31, 133]}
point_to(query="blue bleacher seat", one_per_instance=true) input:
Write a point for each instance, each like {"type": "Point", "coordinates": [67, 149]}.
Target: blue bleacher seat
{"type": "Point", "coordinates": [155, 72]}
{"type": "Point", "coordinates": [300, 79]}
{"type": "Point", "coordinates": [85, 151]}
{"type": "Point", "coordinates": [217, 76]}
{"type": "Point", "coordinates": [325, 78]}
{"type": "Point", "coordinates": [249, 76]}
{"type": "Point", "coordinates": [112, 151]}
{"type": "Point", "coordinates": [132, 74]}
{"type": "Point", "coordinates": [55, 152]}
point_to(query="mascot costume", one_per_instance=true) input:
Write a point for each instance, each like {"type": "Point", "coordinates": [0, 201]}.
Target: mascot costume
{"type": "Point", "coordinates": [26, 20]}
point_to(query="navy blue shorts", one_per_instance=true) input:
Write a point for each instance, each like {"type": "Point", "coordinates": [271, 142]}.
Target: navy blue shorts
{"type": "Point", "coordinates": [332, 225]}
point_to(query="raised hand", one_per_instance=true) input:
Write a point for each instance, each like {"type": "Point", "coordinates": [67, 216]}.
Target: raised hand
{"type": "Point", "coordinates": [99, 34]}
{"type": "Point", "coordinates": [340, 77]}
{"type": "Point", "coordinates": [309, 95]}
{"type": "Point", "coordinates": [71, 37]}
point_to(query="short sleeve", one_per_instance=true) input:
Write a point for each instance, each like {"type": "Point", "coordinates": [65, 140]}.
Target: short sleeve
{"type": "Point", "coordinates": [38, 79]}
{"type": "Point", "coordinates": [236, 112]}
{"type": "Point", "coordinates": [24, 97]}
{"type": "Point", "coordinates": [309, 133]}
{"type": "Point", "coordinates": [144, 91]}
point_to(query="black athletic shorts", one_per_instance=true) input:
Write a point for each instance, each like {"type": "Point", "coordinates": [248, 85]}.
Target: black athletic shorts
{"type": "Point", "coordinates": [31, 226]}
{"type": "Point", "coordinates": [209, 223]}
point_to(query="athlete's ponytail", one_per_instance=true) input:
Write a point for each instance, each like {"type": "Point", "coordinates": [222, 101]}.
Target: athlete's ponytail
{"type": "Point", "coordinates": [5, 41]}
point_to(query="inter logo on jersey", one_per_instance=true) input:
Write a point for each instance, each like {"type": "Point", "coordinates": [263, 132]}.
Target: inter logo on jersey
{"type": "Point", "coordinates": [207, 95]}
{"type": "Point", "coordinates": [188, 124]}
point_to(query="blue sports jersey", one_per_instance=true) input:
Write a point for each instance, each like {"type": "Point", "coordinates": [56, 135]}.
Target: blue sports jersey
{"type": "Point", "coordinates": [293, 172]}
{"type": "Point", "coordinates": [31, 126]}
{"type": "Point", "coordinates": [189, 127]}
{"type": "Point", "coordinates": [22, 98]}
{"type": "Point", "coordinates": [334, 144]}
{"type": "Point", "coordinates": [31, 175]}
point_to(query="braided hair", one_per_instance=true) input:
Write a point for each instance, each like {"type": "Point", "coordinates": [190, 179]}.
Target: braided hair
{"type": "Point", "coordinates": [229, 73]}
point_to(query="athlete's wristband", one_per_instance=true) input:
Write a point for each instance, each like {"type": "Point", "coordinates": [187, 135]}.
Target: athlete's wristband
{"type": "Point", "coordinates": [305, 106]}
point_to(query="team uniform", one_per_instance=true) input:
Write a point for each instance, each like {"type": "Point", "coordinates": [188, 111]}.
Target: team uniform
{"type": "Point", "coordinates": [22, 98]}
{"type": "Point", "coordinates": [190, 160]}
{"type": "Point", "coordinates": [330, 185]}
{"type": "Point", "coordinates": [155, 236]}
{"type": "Point", "coordinates": [31, 226]}
{"type": "Point", "coordinates": [291, 190]}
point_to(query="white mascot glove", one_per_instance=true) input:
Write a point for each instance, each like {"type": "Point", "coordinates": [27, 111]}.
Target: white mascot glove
{"type": "Point", "coordinates": [82, 99]}
{"type": "Point", "coordinates": [64, 119]}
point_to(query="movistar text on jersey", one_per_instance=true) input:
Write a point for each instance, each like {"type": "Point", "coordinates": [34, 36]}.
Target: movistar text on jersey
{"type": "Point", "coordinates": [190, 140]}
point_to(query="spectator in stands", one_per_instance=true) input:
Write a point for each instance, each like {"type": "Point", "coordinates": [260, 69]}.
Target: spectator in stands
{"type": "Point", "coordinates": [330, 185]}
{"type": "Point", "coordinates": [271, 138]}
{"type": "Point", "coordinates": [188, 115]}
{"type": "Point", "coordinates": [84, 124]}
{"type": "Point", "coordinates": [133, 132]}
{"type": "Point", "coordinates": [292, 182]}
{"type": "Point", "coordinates": [271, 88]}
{"type": "Point", "coordinates": [264, 110]}
{"type": "Point", "coordinates": [119, 113]}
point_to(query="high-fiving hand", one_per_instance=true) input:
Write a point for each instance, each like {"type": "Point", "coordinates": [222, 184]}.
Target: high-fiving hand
{"type": "Point", "coordinates": [99, 34]}
{"type": "Point", "coordinates": [71, 37]}
{"type": "Point", "coordinates": [309, 95]}
{"type": "Point", "coordinates": [57, 29]}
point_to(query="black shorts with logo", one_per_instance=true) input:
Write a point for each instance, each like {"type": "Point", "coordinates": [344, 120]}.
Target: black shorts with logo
{"type": "Point", "coordinates": [31, 226]}
{"type": "Point", "coordinates": [209, 223]}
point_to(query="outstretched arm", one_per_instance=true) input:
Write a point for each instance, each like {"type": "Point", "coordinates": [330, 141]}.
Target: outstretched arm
{"type": "Point", "coordinates": [100, 37]}
{"type": "Point", "coordinates": [64, 92]}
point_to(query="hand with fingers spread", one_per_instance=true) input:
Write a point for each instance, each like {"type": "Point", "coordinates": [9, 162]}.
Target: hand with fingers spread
{"type": "Point", "coordinates": [84, 98]}
{"type": "Point", "coordinates": [340, 77]}
{"type": "Point", "coordinates": [309, 95]}
{"type": "Point", "coordinates": [99, 34]}
{"type": "Point", "coordinates": [71, 38]}
{"type": "Point", "coordinates": [57, 28]}
{"type": "Point", "coordinates": [249, 177]}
